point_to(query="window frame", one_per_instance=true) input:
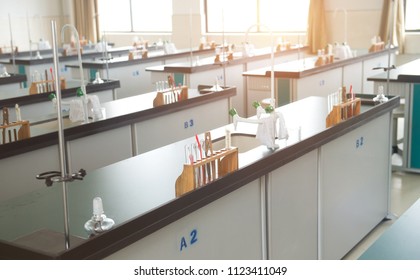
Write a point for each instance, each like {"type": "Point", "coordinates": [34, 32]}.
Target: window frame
{"type": "Point", "coordinates": [405, 21]}
{"type": "Point", "coordinates": [132, 29]}
{"type": "Point", "coordinates": [259, 27]}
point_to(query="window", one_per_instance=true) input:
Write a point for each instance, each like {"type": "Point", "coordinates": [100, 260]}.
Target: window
{"type": "Point", "coordinates": [278, 15]}
{"type": "Point", "coordinates": [412, 19]}
{"type": "Point", "coordinates": [135, 15]}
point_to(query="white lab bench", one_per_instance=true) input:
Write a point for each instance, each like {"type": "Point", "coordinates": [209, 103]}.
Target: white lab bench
{"type": "Point", "coordinates": [12, 83]}
{"type": "Point", "coordinates": [131, 126]}
{"type": "Point", "coordinates": [315, 197]}
{"type": "Point", "coordinates": [206, 70]}
{"type": "Point", "coordinates": [404, 81]}
{"type": "Point", "coordinates": [35, 106]}
{"type": "Point", "coordinates": [298, 79]}
{"type": "Point", "coordinates": [132, 72]}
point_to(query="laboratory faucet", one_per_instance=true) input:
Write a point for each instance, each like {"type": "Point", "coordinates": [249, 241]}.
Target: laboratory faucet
{"type": "Point", "coordinates": [271, 56]}
{"type": "Point", "coordinates": [79, 58]}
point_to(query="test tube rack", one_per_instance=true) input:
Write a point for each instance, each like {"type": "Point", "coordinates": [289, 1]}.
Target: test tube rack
{"type": "Point", "coordinates": [4, 49]}
{"type": "Point", "coordinates": [377, 47]}
{"type": "Point", "coordinates": [9, 129]}
{"type": "Point", "coordinates": [167, 96]}
{"type": "Point", "coordinates": [343, 111]}
{"type": "Point", "coordinates": [222, 162]}
{"type": "Point", "coordinates": [71, 51]}
{"type": "Point", "coordinates": [44, 86]}
{"type": "Point", "coordinates": [135, 54]}
{"type": "Point", "coordinates": [15, 131]}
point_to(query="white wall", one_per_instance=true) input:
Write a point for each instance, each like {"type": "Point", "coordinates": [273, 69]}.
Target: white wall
{"type": "Point", "coordinates": [363, 21]}
{"type": "Point", "coordinates": [28, 18]}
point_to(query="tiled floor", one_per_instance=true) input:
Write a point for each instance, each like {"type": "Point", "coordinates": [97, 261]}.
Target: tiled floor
{"type": "Point", "coordinates": [404, 192]}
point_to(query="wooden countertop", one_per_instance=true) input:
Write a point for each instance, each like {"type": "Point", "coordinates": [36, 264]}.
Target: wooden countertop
{"type": "Point", "coordinates": [406, 73]}
{"type": "Point", "coordinates": [208, 63]}
{"type": "Point", "coordinates": [306, 67]}
{"type": "Point", "coordinates": [119, 113]}
{"type": "Point", "coordinates": [142, 202]}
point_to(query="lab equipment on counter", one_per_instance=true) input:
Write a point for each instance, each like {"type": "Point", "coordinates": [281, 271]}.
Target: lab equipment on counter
{"type": "Point", "coordinates": [13, 131]}
{"type": "Point", "coordinates": [342, 106]}
{"type": "Point", "coordinates": [203, 165]}
{"type": "Point", "coordinates": [381, 98]}
{"type": "Point", "coordinates": [376, 44]}
{"type": "Point", "coordinates": [98, 79]}
{"type": "Point", "coordinates": [137, 54]}
{"type": "Point", "coordinates": [99, 221]}
{"type": "Point", "coordinates": [3, 71]}
{"type": "Point", "coordinates": [42, 83]}
{"type": "Point", "coordinates": [342, 51]}
{"type": "Point", "coordinates": [77, 112]}
{"type": "Point", "coordinates": [168, 93]}
{"type": "Point", "coordinates": [271, 125]}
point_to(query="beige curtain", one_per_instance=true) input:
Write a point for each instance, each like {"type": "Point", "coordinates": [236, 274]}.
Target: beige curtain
{"type": "Point", "coordinates": [317, 27]}
{"type": "Point", "coordinates": [86, 21]}
{"type": "Point", "coordinates": [397, 19]}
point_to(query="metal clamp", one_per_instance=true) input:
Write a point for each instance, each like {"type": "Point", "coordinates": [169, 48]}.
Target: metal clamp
{"type": "Point", "coordinates": [51, 177]}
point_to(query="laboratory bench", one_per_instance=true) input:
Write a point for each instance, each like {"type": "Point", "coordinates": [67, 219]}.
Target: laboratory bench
{"type": "Point", "coordinates": [129, 127]}
{"type": "Point", "coordinates": [404, 81]}
{"type": "Point", "coordinates": [315, 197]}
{"type": "Point", "coordinates": [34, 106]}
{"type": "Point", "coordinates": [27, 64]}
{"type": "Point", "coordinates": [131, 72]}
{"type": "Point", "coordinates": [13, 82]}
{"type": "Point", "coordinates": [225, 71]}
{"type": "Point", "coordinates": [302, 78]}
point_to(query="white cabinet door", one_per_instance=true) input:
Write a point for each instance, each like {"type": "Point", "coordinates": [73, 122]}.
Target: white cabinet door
{"type": "Point", "coordinates": [321, 84]}
{"type": "Point", "coordinates": [292, 210]}
{"type": "Point", "coordinates": [228, 228]}
{"type": "Point", "coordinates": [17, 173]}
{"type": "Point", "coordinates": [101, 149]}
{"type": "Point", "coordinates": [354, 186]}
{"type": "Point", "coordinates": [164, 130]}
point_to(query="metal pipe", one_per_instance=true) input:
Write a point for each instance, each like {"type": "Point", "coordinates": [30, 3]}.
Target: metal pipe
{"type": "Point", "coordinates": [63, 166]}
{"type": "Point", "coordinates": [12, 51]}
{"type": "Point", "coordinates": [391, 28]}
{"type": "Point", "coordinates": [105, 51]}
{"type": "Point", "coordinates": [273, 100]}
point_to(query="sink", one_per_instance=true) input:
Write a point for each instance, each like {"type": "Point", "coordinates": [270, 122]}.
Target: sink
{"type": "Point", "coordinates": [244, 142]}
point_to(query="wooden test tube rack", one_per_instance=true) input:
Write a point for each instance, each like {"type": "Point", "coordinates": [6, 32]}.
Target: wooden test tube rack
{"type": "Point", "coordinates": [160, 98]}
{"type": "Point", "coordinates": [222, 162]}
{"type": "Point", "coordinates": [343, 111]}
{"type": "Point", "coordinates": [42, 86]}
{"type": "Point", "coordinates": [72, 51]}
{"type": "Point", "coordinates": [11, 133]}
{"type": "Point", "coordinates": [135, 54]}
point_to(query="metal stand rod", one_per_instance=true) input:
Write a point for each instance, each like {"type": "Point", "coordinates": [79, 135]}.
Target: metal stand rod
{"type": "Point", "coordinates": [79, 58]}
{"type": "Point", "coordinates": [391, 31]}
{"type": "Point", "coordinates": [12, 51]}
{"type": "Point", "coordinates": [63, 166]}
